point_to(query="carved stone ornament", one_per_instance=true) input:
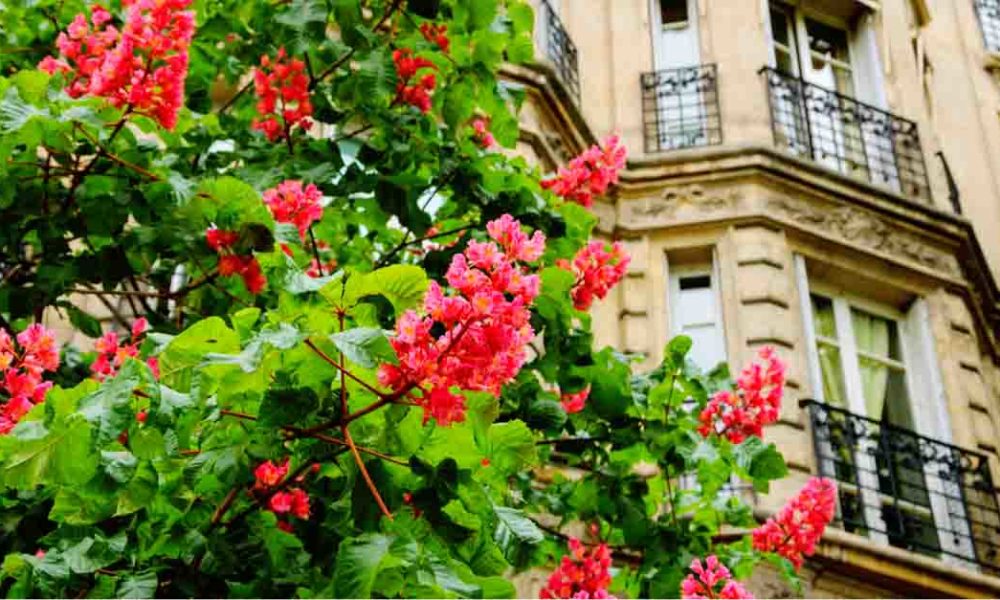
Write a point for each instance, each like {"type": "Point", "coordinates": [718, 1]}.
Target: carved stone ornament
{"type": "Point", "coordinates": [680, 201]}
{"type": "Point", "coordinates": [865, 230]}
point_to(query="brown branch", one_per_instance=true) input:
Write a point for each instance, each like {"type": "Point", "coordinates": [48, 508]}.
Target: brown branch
{"type": "Point", "coordinates": [339, 442]}
{"type": "Point", "coordinates": [238, 415]}
{"type": "Point", "coordinates": [326, 357]}
{"type": "Point", "coordinates": [225, 506]}
{"type": "Point", "coordinates": [232, 99]}
{"type": "Point", "coordinates": [381, 262]}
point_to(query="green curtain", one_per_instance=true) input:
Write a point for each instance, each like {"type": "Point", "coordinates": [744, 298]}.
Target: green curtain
{"type": "Point", "coordinates": [872, 336]}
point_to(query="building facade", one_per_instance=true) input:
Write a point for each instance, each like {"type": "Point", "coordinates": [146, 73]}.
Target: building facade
{"type": "Point", "coordinates": [822, 176]}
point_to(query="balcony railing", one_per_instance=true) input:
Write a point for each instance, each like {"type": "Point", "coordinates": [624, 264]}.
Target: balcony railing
{"type": "Point", "coordinates": [848, 136]}
{"type": "Point", "coordinates": [908, 490]}
{"type": "Point", "coordinates": [558, 48]}
{"type": "Point", "coordinates": [680, 108]}
{"type": "Point", "coordinates": [988, 12]}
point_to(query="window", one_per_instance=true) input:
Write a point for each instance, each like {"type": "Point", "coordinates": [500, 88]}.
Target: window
{"type": "Point", "coordinates": [673, 13]}
{"type": "Point", "coordinates": [988, 12]}
{"type": "Point", "coordinates": [694, 301]}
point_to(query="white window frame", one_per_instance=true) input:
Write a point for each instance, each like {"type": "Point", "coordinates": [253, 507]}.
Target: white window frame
{"type": "Point", "coordinates": [925, 393]}
{"type": "Point", "coordinates": [675, 274]}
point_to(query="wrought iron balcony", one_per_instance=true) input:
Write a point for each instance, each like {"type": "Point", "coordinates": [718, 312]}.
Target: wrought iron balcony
{"type": "Point", "coordinates": [908, 490]}
{"type": "Point", "coordinates": [680, 108]}
{"type": "Point", "coordinates": [558, 48]}
{"type": "Point", "coordinates": [988, 12]}
{"type": "Point", "coordinates": [846, 135]}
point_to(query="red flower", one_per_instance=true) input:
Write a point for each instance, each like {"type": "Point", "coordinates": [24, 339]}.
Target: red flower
{"type": "Point", "coordinates": [282, 96]}
{"type": "Point", "coordinates": [21, 372]}
{"type": "Point", "coordinates": [290, 202]}
{"type": "Point", "coordinates": [589, 174]}
{"type": "Point", "coordinates": [269, 474]}
{"type": "Point", "coordinates": [713, 581]}
{"type": "Point", "coordinates": [141, 416]}
{"type": "Point", "coordinates": [246, 267]}
{"type": "Point", "coordinates": [143, 66]}
{"type": "Point", "coordinates": [486, 325]}
{"type": "Point", "coordinates": [574, 403]}
{"type": "Point", "coordinates": [756, 404]}
{"type": "Point", "coordinates": [582, 574]}
{"type": "Point", "coordinates": [413, 93]}
{"type": "Point", "coordinates": [281, 502]}
{"type": "Point", "coordinates": [597, 270]}
{"type": "Point", "coordinates": [436, 34]}
{"type": "Point", "coordinates": [794, 531]}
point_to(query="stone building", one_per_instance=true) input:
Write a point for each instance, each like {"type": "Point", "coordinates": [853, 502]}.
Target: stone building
{"type": "Point", "coordinates": [822, 176]}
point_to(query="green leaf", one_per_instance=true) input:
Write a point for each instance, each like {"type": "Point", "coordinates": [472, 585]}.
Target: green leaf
{"type": "Point", "coordinates": [361, 558]}
{"type": "Point", "coordinates": [83, 322]}
{"type": "Point", "coordinates": [511, 446]}
{"type": "Point", "coordinates": [512, 522]}
{"type": "Point", "coordinates": [137, 585]}
{"type": "Point", "coordinates": [15, 112]}
{"type": "Point", "coordinates": [365, 346]}
{"type": "Point", "coordinates": [109, 408]}
{"type": "Point", "coordinates": [677, 349]}
{"type": "Point", "coordinates": [63, 455]}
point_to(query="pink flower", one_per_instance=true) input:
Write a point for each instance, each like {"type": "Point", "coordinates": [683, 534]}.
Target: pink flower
{"type": "Point", "coordinates": [112, 353]}
{"type": "Point", "coordinates": [597, 270]}
{"type": "Point", "coordinates": [707, 584]}
{"type": "Point", "coordinates": [283, 101]}
{"type": "Point", "coordinates": [143, 66]}
{"type": "Point", "coordinates": [415, 93]}
{"type": "Point", "coordinates": [756, 404]}
{"type": "Point", "coordinates": [581, 574]}
{"type": "Point", "coordinates": [481, 133]}
{"type": "Point", "coordinates": [589, 174]}
{"type": "Point", "coordinates": [795, 530]}
{"type": "Point", "coordinates": [574, 403]}
{"type": "Point", "coordinates": [485, 325]}
{"type": "Point", "coordinates": [281, 502]}
{"type": "Point", "coordinates": [22, 366]}
{"type": "Point", "coordinates": [290, 202]}
{"type": "Point", "coordinates": [300, 503]}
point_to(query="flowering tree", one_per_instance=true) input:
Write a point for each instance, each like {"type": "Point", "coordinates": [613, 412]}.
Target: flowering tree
{"type": "Point", "coordinates": [359, 360]}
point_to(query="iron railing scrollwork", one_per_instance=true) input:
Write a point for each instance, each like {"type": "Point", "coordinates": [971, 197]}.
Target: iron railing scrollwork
{"type": "Point", "coordinates": [908, 490]}
{"type": "Point", "coordinates": [680, 108]}
{"type": "Point", "coordinates": [846, 135]}
{"type": "Point", "coordinates": [559, 48]}
{"type": "Point", "coordinates": [988, 12]}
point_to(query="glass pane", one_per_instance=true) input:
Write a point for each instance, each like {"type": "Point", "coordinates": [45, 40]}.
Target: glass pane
{"type": "Point", "coordinates": [823, 317]}
{"type": "Point", "coordinates": [828, 41]}
{"type": "Point", "coordinates": [695, 306]}
{"type": "Point", "coordinates": [673, 12]}
{"type": "Point", "coordinates": [783, 61]}
{"type": "Point", "coordinates": [779, 26]}
{"type": "Point", "coordinates": [897, 404]}
{"type": "Point", "coordinates": [833, 375]}
{"type": "Point", "coordinates": [707, 351]}
{"type": "Point", "coordinates": [874, 335]}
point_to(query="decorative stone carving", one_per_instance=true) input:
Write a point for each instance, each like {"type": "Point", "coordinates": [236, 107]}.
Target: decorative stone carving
{"type": "Point", "coordinates": [863, 229]}
{"type": "Point", "coordinates": [680, 201]}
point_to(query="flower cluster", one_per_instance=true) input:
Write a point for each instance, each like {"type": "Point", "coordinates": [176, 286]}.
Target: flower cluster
{"type": "Point", "coordinates": [713, 581]}
{"type": "Point", "coordinates": [582, 574]}
{"type": "Point", "coordinates": [22, 371]}
{"type": "Point", "coordinates": [290, 202]}
{"type": "Point", "coordinates": [230, 263]}
{"type": "Point", "coordinates": [756, 404]}
{"type": "Point", "coordinates": [795, 530]}
{"type": "Point", "coordinates": [574, 402]}
{"type": "Point", "coordinates": [112, 352]}
{"type": "Point", "coordinates": [485, 324]}
{"type": "Point", "coordinates": [293, 501]}
{"type": "Point", "coordinates": [436, 34]}
{"type": "Point", "coordinates": [597, 269]}
{"type": "Point", "coordinates": [481, 133]}
{"type": "Point", "coordinates": [143, 66]}
{"type": "Point", "coordinates": [589, 174]}
{"type": "Point", "coordinates": [409, 90]}
{"type": "Point", "coordinates": [282, 91]}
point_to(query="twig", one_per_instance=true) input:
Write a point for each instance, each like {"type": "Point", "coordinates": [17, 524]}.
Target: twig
{"type": "Point", "coordinates": [315, 249]}
{"type": "Point", "coordinates": [339, 367]}
{"type": "Point", "coordinates": [226, 504]}
{"type": "Point", "coordinates": [381, 262]}
{"type": "Point", "coordinates": [339, 442]}
{"type": "Point", "coordinates": [232, 99]}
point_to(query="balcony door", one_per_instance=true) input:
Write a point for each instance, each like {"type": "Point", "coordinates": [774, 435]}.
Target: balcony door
{"type": "Point", "coordinates": [876, 366]}
{"type": "Point", "coordinates": [837, 64]}
{"type": "Point", "coordinates": [680, 110]}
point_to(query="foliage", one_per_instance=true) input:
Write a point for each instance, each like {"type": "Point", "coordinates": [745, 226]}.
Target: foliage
{"type": "Point", "coordinates": [177, 476]}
